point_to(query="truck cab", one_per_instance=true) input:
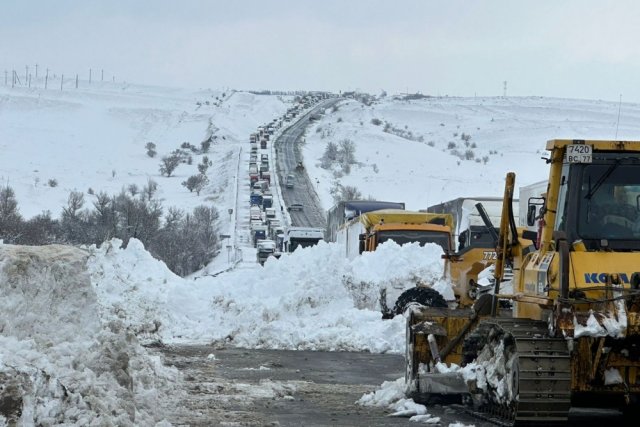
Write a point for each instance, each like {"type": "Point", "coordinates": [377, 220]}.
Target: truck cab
{"type": "Point", "coordinates": [264, 249]}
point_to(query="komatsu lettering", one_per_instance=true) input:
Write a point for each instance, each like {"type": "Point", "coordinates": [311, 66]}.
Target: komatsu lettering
{"type": "Point", "coordinates": [602, 277]}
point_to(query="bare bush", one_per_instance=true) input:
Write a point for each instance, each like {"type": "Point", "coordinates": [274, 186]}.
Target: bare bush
{"type": "Point", "coordinates": [169, 164]}
{"type": "Point", "coordinates": [10, 218]}
{"type": "Point", "coordinates": [196, 183]}
{"type": "Point", "coordinates": [347, 192]}
{"type": "Point", "coordinates": [204, 165]}
{"type": "Point", "coordinates": [151, 149]}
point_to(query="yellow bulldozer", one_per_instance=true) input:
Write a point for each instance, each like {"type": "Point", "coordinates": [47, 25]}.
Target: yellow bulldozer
{"type": "Point", "coordinates": [571, 339]}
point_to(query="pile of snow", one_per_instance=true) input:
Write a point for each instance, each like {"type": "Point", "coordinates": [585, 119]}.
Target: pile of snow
{"type": "Point", "coordinates": [62, 362]}
{"type": "Point", "coordinates": [305, 300]}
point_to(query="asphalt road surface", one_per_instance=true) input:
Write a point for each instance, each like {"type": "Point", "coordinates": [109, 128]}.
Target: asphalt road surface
{"type": "Point", "coordinates": [287, 388]}
{"type": "Point", "coordinates": [288, 156]}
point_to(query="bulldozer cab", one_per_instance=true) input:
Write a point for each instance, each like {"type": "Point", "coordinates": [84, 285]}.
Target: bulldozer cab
{"type": "Point", "coordinates": [599, 202]}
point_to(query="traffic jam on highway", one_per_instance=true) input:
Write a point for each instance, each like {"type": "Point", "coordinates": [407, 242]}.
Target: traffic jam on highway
{"type": "Point", "coordinates": [272, 231]}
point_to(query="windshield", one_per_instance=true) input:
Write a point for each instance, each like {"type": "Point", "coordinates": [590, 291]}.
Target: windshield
{"type": "Point", "coordinates": [301, 243]}
{"type": "Point", "coordinates": [609, 203]}
{"type": "Point", "coordinates": [423, 237]}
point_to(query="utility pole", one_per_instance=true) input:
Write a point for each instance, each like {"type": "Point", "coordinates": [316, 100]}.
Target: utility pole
{"type": "Point", "coordinates": [102, 75]}
{"type": "Point", "coordinates": [29, 81]}
{"type": "Point", "coordinates": [76, 81]}
{"type": "Point", "coordinates": [89, 75]}
{"type": "Point", "coordinates": [46, 79]}
{"type": "Point", "coordinates": [504, 93]}
{"type": "Point", "coordinates": [36, 71]}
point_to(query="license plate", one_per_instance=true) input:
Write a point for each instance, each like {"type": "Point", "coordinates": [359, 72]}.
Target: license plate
{"type": "Point", "coordinates": [579, 153]}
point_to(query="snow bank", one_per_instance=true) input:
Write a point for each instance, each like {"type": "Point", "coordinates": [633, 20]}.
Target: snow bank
{"type": "Point", "coordinates": [59, 360]}
{"type": "Point", "coordinates": [312, 299]}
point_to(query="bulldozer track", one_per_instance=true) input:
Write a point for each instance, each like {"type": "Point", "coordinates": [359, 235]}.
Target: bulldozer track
{"type": "Point", "coordinates": [541, 378]}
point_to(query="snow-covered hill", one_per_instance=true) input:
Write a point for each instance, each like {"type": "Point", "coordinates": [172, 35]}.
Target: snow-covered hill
{"type": "Point", "coordinates": [415, 151]}
{"type": "Point", "coordinates": [95, 139]}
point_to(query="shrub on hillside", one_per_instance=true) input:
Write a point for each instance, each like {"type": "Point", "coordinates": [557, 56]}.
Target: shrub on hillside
{"type": "Point", "coordinates": [169, 164]}
{"type": "Point", "coordinates": [151, 149]}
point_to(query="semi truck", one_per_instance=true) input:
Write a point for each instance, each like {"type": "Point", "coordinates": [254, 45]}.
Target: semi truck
{"type": "Point", "coordinates": [367, 231]}
{"type": "Point", "coordinates": [345, 211]}
{"type": "Point", "coordinates": [265, 249]}
{"type": "Point", "coordinates": [475, 232]}
{"type": "Point", "coordinates": [370, 229]}
{"type": "Point", "coordinates": [469, 227]}
{"type": "Point", "coordinates": [531, 201]}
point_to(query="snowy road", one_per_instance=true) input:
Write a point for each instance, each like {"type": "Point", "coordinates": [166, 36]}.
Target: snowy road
{"type": "Point", "coordinates": [286, 388]}
{"type": "Point", "coordinates": [288, 146]}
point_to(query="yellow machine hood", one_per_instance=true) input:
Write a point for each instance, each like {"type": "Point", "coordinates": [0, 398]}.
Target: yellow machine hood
{"type": "Point", "coordinates": [394, 216]}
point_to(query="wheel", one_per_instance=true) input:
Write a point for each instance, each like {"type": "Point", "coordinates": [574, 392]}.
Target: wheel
{"type": "Point", "coordinates": [419, 295]}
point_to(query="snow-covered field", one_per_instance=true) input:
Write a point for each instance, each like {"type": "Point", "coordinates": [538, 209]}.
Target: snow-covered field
{"type": "Point", "coordinates": [73, 319]}
{"type": "Point", "coordinates": [506, 134]}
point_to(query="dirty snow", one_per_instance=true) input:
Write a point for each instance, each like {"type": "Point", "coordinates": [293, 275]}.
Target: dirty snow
{"type": "Point", "coordinates": [611, 324]}
{"type": "Point", "coordinates": [391, 395]}
{"type": "Point", "coordinates": [612, 376]}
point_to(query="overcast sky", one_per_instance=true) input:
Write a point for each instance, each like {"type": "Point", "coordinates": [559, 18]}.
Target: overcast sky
{"type": "Point", "coordinates": [574, 48]}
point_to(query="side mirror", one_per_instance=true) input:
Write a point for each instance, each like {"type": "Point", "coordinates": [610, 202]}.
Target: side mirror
{"type": "Point", "coordinates": [531, 209]}
{"type": "Point", "coordinates": [531, 215]}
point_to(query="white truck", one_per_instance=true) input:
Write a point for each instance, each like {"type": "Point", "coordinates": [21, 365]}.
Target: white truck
{"type": "Point", "coordinates": [302, 237]}
{"type": "Point", "coordinates": [265, 249]}
{"type": "Point", "coordinates": [531, 193]}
